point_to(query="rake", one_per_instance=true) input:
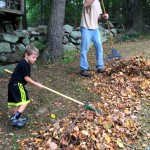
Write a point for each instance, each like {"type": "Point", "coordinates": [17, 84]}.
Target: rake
{"type": "Point", "coordinates": [114, 53]}
{"type": "Point", "coordinates": [67, 97]}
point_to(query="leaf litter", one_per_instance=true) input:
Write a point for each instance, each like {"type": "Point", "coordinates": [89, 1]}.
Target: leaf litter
{"type": "Point", "coordinates": [122, 88]}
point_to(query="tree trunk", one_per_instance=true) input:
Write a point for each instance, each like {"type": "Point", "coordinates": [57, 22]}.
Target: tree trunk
{"type": "Point", "coordinates": [42, 12]}
{"type": "Point", "coordinates": [116, 11]}
{"type": "Point", "coordinates": [134, 16]}
{"type": "Point", "coordinates": [76, 13]}
{"type": "Point", "coordinates": [55, 30]}
{"type": "Point", "coordinates": [24, 17]}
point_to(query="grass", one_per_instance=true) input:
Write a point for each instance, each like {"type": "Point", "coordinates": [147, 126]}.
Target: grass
{"type": "Point", "coordinates": [14, 143]}
{"type": "Point", "coordinates": [69, 56]}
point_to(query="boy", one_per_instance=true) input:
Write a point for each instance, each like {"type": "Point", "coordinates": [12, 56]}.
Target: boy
{"type": "Point", "coordinates": [17, 94]}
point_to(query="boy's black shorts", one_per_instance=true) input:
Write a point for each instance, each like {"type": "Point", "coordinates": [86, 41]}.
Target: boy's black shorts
{"type": "Point", "coordinates": [17, 94]}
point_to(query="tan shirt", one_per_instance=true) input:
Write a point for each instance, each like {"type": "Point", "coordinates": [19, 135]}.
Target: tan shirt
{"type": "Point", "coordinates": [90, 15]}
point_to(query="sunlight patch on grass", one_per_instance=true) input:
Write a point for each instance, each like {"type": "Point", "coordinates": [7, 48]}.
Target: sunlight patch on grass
{"type": "Point", "coordinates": [69, 56]}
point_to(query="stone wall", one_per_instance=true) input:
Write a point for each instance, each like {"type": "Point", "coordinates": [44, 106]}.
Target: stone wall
{"type": "Point", "coordinates": [12, 45]}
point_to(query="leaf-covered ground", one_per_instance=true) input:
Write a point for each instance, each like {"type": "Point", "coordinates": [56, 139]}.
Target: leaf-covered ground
{"type": "Point", "coordinates": [122, 94]}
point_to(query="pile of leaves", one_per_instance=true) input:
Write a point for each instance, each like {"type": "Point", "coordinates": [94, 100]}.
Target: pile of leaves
{"type": "Point", "coordinates": [122, 89]}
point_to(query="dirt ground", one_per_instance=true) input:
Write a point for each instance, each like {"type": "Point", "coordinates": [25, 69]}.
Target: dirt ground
{"type": "Point", "coordinates": [64, 78]}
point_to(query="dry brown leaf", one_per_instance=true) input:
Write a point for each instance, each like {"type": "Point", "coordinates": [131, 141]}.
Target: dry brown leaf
{"type": "Point", "coordinates": [107, 138]}
{"type": "Point", "coordinates": [82, 136]}
{"type": "Point", "coordinates": [119, 143]}
{"type": "Point", "coordinates": [53, 146]}
{"type": "Point", "coordinates": [37, 140]}
{"type": "Point", "coordinates": [48, 142]}
{"type": "Point", "coordinates": [85, 132]}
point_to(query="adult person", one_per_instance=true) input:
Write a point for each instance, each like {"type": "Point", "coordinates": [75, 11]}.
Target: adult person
{"type": "Point", "coordinates": [91, 14]}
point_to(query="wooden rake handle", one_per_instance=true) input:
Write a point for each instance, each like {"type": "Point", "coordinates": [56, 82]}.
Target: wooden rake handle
{"type": "Point", "coordinates": [62, 95]}
{"type": "Point", "coordinates": [8, 71]}
{"type": "Point", "coordinates": [103, 7]}
{"type": "Point", "coordinates": [111, 41]}
{"type": "Point", "coordinates": [49, 89]}
{"type": "Point", "coordinates": [67, 97]}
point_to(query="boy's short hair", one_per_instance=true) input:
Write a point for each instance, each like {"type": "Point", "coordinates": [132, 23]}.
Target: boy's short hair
{"type": "Point", "coordinates": [29, 50]}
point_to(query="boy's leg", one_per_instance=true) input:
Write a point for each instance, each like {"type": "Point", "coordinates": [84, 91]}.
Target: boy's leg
{"type": "Point", "coordinates": [18, 96]}
{"type": "Point", "coordinates": [16, 120]}
{"type": "Point", "coordinates": [19, 110]}
{"type": "Point", "coordinates": [14, 109]}
{"type": "Point", "coordinates": [22, 108]}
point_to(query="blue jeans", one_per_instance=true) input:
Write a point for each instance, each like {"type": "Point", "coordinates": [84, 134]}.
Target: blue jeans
{"type": "Point", "coordinates": [87, 36]}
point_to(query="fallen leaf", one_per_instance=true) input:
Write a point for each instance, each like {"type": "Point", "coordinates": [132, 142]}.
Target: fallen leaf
{"type": "Point", "coordinates": [53, 146]}
{"type": "Point", "coordinates": [85, 132]}
{"type": "Point", "coordinates": [53, 116]}
{"type": "Point", "coordinates": [38, 140]}
{"type": "Point", "coordinates": [107, 138]}
{"type": "Point", "coordinates": [119, 143]}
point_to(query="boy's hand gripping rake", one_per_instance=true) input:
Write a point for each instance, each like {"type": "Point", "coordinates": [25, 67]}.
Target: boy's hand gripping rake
{"type": "Point", "coordinates": [76, 101]}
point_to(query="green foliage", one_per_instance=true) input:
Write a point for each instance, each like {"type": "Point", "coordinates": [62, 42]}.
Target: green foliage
{"type": "Point", "coordinates": [38, 11]}
{"type": "Point", "coordinates": [39, 45]}
{"type": "Point", "coordinates": [130, 37]}
{"type": "Point", "coordinates": [34, 14]}
{"type": "Point", "coordinates": [134, 35]}
{"type": "Point", "coordinates": [73, 12]}
{"type": "Point", "coordinates": [69, 56]}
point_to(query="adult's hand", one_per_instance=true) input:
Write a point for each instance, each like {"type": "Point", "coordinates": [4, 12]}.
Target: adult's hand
{"type": "Point", "coordinates": [105, 16]}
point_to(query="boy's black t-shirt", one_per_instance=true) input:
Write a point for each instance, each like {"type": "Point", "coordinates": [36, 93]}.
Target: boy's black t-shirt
{"type": "Point", "coordinates": [22, 70]}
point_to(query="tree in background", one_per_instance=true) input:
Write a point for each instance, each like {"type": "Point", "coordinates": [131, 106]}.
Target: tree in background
{"type": "Point", "coordinates": [38, 12]}
{"type": "Point", "coordinates": [55, 30]}
{"type": "Point", "coordinates": [134, 20]}
{"type": "Point", "coordinates": [73, 12]}
{"type": "Point", "coordinates": [127, 12]}
{"type": "Point", "coordinates": [120, 11]}
{"type": "Point", "coordinates": [42, 12]}
{"type": "Point", "coordinates": [24, 17]}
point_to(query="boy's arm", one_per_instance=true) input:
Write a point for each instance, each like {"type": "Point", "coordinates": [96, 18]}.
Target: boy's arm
{"type": "Point", "coordinates": [29, 80]}
{"type": "Point", "coordinates": [87, 3]}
